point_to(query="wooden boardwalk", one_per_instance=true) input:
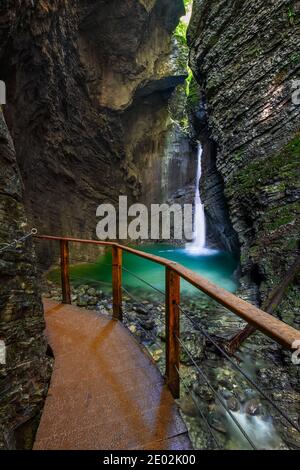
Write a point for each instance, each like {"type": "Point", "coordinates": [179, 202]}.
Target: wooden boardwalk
{"type": "Point", "coordinates": [105, 391]}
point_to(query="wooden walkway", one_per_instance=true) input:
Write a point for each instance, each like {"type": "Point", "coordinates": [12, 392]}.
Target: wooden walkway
{"type": "Point", "coordinates": [105, 392]}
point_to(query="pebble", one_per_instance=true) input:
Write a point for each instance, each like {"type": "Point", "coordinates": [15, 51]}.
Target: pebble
{"type": "Point", "coordinates": [253, 407]}
{"type": "Point", "coordinates": [233, 404]}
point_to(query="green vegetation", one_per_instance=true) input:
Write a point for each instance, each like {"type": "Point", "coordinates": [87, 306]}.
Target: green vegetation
{"type": "Point", "coordinates": [291, 16]}
{"type": "Point", "coordinates": [281, 216]}
{"type": "Point", "coordinates": [180, 34]}
{"type": "Point", "coordinates": [283, 166]}
{"type": "Point", "coordinates": [255, 51]}
{"type": "Point", "coordinates": [237, 157]}
{"type": "Point", "coordinates": [192, 90]}
{"type": "Point", "coordinates": [189, 81]}
{"type": "Point", "coordinates": [295, 58]}
{"type": "Point", "coordinates": [187, 4]}
{"type": "Point", "coordinates": [270, 178]}
{"type": "Point", "coordinates": [181, 30]}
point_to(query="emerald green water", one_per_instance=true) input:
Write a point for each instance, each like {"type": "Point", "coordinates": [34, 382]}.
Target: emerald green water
{"type": "Point", "coordinates": [215, 266]}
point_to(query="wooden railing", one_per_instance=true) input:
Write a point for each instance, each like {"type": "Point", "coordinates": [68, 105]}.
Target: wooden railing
{"type": "Point", "coordinates": [262, 321]}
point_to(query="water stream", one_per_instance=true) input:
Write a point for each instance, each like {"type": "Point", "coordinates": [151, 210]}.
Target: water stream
{"type": "Point", "coordinates": [218, 267]}
{"type": "Point", "coordinates": [199, 237]}
{"type": "Point", "coordinates": [259, 429]}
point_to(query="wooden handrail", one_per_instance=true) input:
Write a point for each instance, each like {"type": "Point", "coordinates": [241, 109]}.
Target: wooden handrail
{"type": "Point", "coordinates": [269, 305]}
{"type": "Point", "coordinates": [117, 282]}
{"type": "Point", "coordinates": [262, 321]}
{"type": "Point", "coordinates": [65, 272]}
{"type": "Point", "coordinates": [172, 331]}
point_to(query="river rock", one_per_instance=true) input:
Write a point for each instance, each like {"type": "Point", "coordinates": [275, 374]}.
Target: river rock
{"type": "Point", "coordinates": [233, 404]}
{"type": "Point", "coordinates": [92, 300]}
{"type": "Point", "coordinates": [194, 343]}
{"type": "Point", "coordinates": [142, 310]}
{"type": "Point", "coordinates": [226, 393]}
{"type": "Point", "coordinates": [216, 420]}
{"type": "Point", "coordinates": [82, 300]}
{"type": "Point", "coordinates": [188, 407]}
{"type": "Point", "coordinates": [203, 391]}
{"type": "Point", "coordinates": [147, 324]}
{"type": "Point", "coordinates": [157, 354]}
{"type": "Point", "coordinates": [92, 292]}
{"type": "Point", "coordinates": [253, 407]}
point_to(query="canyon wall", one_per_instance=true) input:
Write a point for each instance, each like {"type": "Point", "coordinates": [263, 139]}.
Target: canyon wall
{"type": "Point", "coordinates": [89, 86]}
{"type": "Point", "coordinates": [25, 374]}
{"type": "Point", "coordinates": [245, 56]}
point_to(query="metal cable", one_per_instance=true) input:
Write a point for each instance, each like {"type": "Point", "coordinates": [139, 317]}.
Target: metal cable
{"type": "Point", "coordinates": [135, 299]}
{"type": "Point", "coordinates": [217, 395]}
{"type": "Point", "coordinates": [7, 246]}
{"type": "Point", "coordinates": [147, 333]}
{"type": "Point", "coordinates": [199, 409]}
{"type": "Point", "coordinates": [150, 335]}
{"type": "Point", "coordinates": [196, 325]}
{"type": "Point", "coordinates": [237, 367]}
{"type": "Point", "coordinates": [145, 282]}
{"type": "Point", "coordinates": [206, 379]}
{"type": "Point", "coordinates": [149, 310]}
{"type": "Point", "coordinates": [89, 262]}
{"type": "Point", "coordinates": [92, 281]}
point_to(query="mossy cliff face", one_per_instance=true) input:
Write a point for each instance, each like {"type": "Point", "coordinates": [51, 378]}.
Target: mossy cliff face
{"type": "Point", "coordinates": [88, 85]}
{"type": "Point", "coordinates": [245, 56]}
{"type": "Point", "coordinates": [24, 377]}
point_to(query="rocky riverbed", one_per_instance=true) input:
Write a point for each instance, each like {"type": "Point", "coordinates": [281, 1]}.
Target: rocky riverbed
{"type": "Point", "coordinates": [260, 358]}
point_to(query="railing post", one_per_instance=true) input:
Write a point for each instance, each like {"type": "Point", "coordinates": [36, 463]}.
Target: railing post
{"type": "Point", "coordinates": [172, 331]}
{"type": "Point", "coordinates": [117, 282]}
{"type": "Point", "coordinates": [65, 275]}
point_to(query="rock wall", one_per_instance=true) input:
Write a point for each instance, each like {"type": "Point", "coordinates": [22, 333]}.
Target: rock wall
{"type": "Point", "coordinates": [220, 233]}
{"type": "Point", "coordinates": [245, 56]}
{"type": "Point", "coordinates": [24, 377]}
{"type": "Point", "coordinates": [89, 85]}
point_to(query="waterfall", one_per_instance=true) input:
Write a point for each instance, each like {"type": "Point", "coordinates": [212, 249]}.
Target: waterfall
{"type": "Point", "coordinates": [199, 235]}
{"type": "Point", "coordinates": [260, 429]}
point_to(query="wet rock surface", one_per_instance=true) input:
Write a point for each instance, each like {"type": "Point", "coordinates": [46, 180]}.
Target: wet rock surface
{"type": "Point", "coordinates": [89, 114]}
{"type": "Point", "coordinates": [244, 56]}
{"type": "Point", "coordinates": [25, 374]}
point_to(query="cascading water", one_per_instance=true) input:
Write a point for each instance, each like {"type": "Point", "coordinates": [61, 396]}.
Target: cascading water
{"type": "Point", "coordinates": [199, 236]}
{"type": "Point", "coordinates": [259, 429]}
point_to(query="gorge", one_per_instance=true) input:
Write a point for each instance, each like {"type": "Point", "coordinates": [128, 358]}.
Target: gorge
{"type": "Point", "coordinates": [108, 98]}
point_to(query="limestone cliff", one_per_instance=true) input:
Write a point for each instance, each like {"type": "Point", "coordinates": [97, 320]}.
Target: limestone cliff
{"type": "Point", "coordinates": [24, 376]}
{"type": "Point", "coordinates": [89, 85]}
{"type": "Point", "coordinates": [245, 56]}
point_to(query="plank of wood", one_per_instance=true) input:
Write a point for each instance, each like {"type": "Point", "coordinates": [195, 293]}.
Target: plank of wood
{"type": "Point", "coordinates": [172, 331]}
{"type": "Point", "coordinates": [105, 392]}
